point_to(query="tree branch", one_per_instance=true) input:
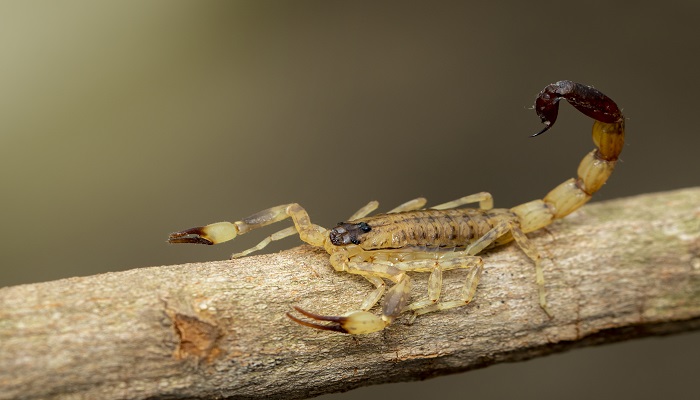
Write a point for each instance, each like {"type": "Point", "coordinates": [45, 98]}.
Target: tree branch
{"type": "Point", "coordinates": [614, 270]}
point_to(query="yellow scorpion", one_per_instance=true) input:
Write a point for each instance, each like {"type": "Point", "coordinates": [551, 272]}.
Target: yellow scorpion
{"type": "Point", "coordinates": [411, 238]}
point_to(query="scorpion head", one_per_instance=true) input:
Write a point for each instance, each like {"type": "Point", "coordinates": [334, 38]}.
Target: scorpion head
{"type": "Point", "coordinates": [348, 232]}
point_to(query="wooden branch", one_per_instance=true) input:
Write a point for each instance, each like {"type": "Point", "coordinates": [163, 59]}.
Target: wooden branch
{"type": "Point", "coordinates": [614, 270]}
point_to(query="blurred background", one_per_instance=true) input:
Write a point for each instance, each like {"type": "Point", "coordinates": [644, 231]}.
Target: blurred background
{"type": "Point", "coordinates": [123, 121]}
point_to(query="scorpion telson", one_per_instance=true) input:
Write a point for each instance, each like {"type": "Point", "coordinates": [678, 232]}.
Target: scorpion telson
{"type": "Point", "coordinates": [589, 100]}
{"type": "Point", "coordinates": [411, 238]}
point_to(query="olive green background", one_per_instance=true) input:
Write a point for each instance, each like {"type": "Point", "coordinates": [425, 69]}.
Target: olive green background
{"type": "Point", "coordinates": [123, 121]}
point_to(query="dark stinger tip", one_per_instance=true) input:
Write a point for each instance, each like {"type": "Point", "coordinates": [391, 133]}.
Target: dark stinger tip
{"type": "Point", "coordinates": [543, 130]}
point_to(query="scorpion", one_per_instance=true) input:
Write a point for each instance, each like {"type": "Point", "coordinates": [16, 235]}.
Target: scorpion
{"type": "Point", "coordinates": [411, 238]}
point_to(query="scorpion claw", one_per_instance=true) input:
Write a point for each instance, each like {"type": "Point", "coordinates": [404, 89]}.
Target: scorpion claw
{"type": "Point", "coordinates": [354, 322]}
{"type": "Point", "coordinates": [210, 234]}
{"type": "Point", "coordinates": [192, 235]}
{"type": "Point", "coordinates": [335, 326]}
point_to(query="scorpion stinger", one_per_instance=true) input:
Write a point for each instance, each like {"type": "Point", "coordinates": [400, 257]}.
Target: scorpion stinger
{"type": "Point", "coordinates": [587, 99]}
{"type": "Point", "coordinates": [410, 238]}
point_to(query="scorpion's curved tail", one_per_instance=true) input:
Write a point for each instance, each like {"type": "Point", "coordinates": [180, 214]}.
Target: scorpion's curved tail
{"type": "Point", "coordinates": [596, 166]}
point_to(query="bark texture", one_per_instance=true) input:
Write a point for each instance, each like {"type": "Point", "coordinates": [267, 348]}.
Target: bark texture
{"type": "Point", "coordinates": [613, 270]}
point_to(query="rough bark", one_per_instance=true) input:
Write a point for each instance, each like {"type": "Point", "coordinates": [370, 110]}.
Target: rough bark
{"type": "Point", "coordinates": [614, 270]}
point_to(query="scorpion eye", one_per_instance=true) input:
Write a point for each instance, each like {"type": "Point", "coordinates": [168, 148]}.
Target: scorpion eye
{"type": "Point", "coordinates": [355, 241]}
{"type": "Point", "coordinates": [364, 227]}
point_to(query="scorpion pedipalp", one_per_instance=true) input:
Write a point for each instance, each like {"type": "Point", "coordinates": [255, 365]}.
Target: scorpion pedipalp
{"type": "Point", "coordinates": [192, 235]}
{"type": "Point", "coordinates": [360, 321]}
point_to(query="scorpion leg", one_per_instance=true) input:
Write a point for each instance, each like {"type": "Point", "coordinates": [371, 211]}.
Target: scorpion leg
{"type": "Point", "coordinates": [390, 263]}
{"type": "Point", "coordinates": [484, 199]}
{"type": "Point", "coordinates": [372, 298]}
{"type": "Point", "coordinates": [368, 264]}
{"type": "Point", "coordinates": [340, 262]}
{"type": "Point", "coordinates": [445, 262]}
{"type": "Point", "coordinates": [377, 262]}
{"type": "Point", "coordinates": [529, 249]}
{"type": "Point", "coordinates": [525, 245]}
{"type": "Point", "coordinates": [365, 211]}
{"type": "Point", "coordinates": [289, 231]}
{"type": "Point", "coordinates": [354, 260]}
{"type": "Point", "coordinates": [411, 205]}
{"type": "Point", "coordinates": [466, 294]}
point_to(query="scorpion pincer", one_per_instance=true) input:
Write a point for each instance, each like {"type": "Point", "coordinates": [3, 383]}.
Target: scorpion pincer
{"type": "Point", "coordinates": [411, 238]}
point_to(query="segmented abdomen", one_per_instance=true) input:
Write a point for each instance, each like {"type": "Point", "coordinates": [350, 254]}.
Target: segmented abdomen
{"type": "Point", "coordinates": [428, 228]}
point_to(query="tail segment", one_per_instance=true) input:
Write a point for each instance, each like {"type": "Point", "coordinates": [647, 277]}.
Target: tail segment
{"type": "Point", "coordinates": [595, 168]}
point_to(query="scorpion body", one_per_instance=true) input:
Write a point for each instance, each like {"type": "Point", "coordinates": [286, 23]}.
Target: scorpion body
{"type": "Point", "coordinates": [410, 238]}
{"type": "Point", "coordinates": [451, 229]}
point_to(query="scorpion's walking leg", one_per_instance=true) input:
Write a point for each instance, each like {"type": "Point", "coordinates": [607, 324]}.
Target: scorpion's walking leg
{"type": "Point", "coordinates": [531, 251]}
{"type": "Point", "coordinates": [524, 243]}
{"type": "Point", "coordinates": [353, 260]}
{"type": "Point", "coordinates": [415, 204]}
{"type": "Point", "coordinates": [365, 211]}
{"type": "Point", "coordinates": [411, 205]}
{"type": "Point", "coordinates": [476, 267]}
{"type": "Point", "coordinates": [286, 232]}
{"type": "Point", "coordinates": [378, 265]}
{"type": "Point", "coordinates": [464, 259]}
{"type": "Point", "coordinates": [375, 266]}
{"type": "Point", "coordinates": [484, 199]}
{"type": "Point", "coordinates": [373, 297]}
{"type": "Point", "coordinates": [445, 262]}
